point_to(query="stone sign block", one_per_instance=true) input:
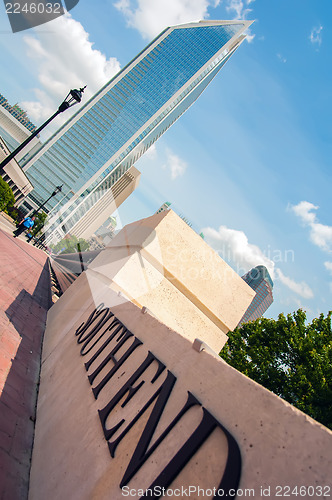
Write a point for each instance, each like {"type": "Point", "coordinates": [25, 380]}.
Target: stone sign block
{"type": "Point", "coordinates": [134, 401]}
{"type": "Point", "coordinates": [130, 408]}
{"type": "Point", "coordinates": [162, 264]}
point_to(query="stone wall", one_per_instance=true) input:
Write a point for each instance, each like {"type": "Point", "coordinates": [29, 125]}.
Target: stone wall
{"type": "Point", "coordinates": [134, 400]}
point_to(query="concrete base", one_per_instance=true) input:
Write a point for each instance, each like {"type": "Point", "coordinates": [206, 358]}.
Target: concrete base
{"type": "Point", "coordinates": [162, 264]}
{"type": "Point", "coordinates": [131, 401]}
{"type": "Point", "coordinates": [260, 444]}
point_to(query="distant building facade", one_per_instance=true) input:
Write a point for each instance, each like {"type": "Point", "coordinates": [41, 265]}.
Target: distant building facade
{"type": "Point", "coordinates": [108, 134]}
{"type": "Point", "coordinates": [15, 128]}
{"type": "Point", "coordinates": [99, 210]}
{"type": "Point", "coordinates": [18, 113]}
{"type": "Point", "coordinates": [14, 131]}
{"type": "Point", "coordinates": [164, 206]}
{"type": "Point", "coordinates": [104, 235]}
{"type": "Point", "coordinates": [14, 175]}
{"type": "Point", "coordinates": [259, 280]}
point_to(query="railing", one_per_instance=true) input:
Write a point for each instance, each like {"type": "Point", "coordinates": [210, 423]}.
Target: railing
{"type": "Point", "coordinates": [65, 268]}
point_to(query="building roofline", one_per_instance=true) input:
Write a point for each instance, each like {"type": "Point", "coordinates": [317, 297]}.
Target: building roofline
{"type": "Point", "coordinates": [215, 22]}
{"type": "Point", "coordinates": [105, 88]}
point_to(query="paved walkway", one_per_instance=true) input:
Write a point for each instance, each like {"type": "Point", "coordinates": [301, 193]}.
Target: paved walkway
{"type": "Point", "coordinates": [24, 300]}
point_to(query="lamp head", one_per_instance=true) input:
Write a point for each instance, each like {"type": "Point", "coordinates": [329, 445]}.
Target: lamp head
{"type": "Point", "coordinates": [74, 96]}
{"type": "Point", "coordinates": [57, 190]}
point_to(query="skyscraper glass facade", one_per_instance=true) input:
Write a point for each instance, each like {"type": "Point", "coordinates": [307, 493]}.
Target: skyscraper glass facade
{"type": "Point", "coordinates": [259, 280]}
{"type": "Point", "coordinates": [17, 113]}
{"type": "Point", "coordinates": [10, 141]}
{"type": "Point", "coordinates": [110, 132]}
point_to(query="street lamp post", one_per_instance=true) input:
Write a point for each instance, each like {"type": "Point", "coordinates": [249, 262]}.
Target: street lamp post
{"type": "Point", "coordinates": [73, 97]}
{"type": "Point", "coordinates": [57, 190]}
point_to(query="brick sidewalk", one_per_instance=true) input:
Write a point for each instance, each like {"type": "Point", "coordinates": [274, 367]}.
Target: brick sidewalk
{"type": "Point", "coordinates": [25, 298]}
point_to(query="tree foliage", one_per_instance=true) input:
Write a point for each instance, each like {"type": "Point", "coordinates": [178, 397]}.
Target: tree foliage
{"type": "Point", "coordinates": [15, 213]}
{"type": "Point", "coordinates": [7, 198]}
{"type": "Point", "coordinates": [69, 245]}
{"type": "Point", "coordinates": [290, 358]}
{"type": "Point", "coordinates": [39, 223]}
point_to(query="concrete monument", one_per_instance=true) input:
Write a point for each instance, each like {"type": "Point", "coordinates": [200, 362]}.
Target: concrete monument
{"type": "Point", "coordinates": [134, 400]}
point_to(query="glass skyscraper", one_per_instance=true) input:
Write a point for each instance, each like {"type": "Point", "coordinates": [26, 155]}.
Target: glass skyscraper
{"type": "Point", "coordinates": [259, 280]}
{"type": "Point", "coordinates": [110, 132]}
{"type": "Point", "coordinates": [15, 126]}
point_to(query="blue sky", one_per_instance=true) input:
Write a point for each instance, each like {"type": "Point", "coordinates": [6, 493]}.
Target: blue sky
{"type": "Point", "coordinates": [250, 162]}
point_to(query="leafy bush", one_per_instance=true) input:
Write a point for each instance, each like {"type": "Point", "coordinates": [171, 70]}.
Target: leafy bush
{"type": "Point", "coordinates": [7, 198]}
{"type": "Point", "coordinates": [290, 358]}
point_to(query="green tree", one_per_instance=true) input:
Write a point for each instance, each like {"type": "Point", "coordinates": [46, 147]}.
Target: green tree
{"type": "Point", "coordinates": [290, 358]}
{"type": "Point", "coordinates": [14, 213]}
{"type": "Point", "coordinates": [6, 195]}
{"type": "Point", "coordinates": [39, 223]}
{"type": "Point", "coordinates": [69, 245]}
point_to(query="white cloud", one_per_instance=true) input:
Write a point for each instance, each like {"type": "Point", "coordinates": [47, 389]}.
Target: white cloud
{"type": "Point", "coordinates": [281, 58]}
{"type": "Point", "coordinates": [234, 247]}
{"type": "Point", "coordinates": [151, 153]}
{"type": "Point", "coordinates": [175, 164]}
{"type": "Point", "coordinates": [301, 289]}
{"type": "Point", "coordinates": [316, 35]}
{"type": "Point", "coordinates": [239, 6]}
{"type": "Point", "coordinates": [64, 58]}
{"type": "Point", "coordinates": [320, 234]}
{"type": "Point", "coordinates": [328, 266]}
{"type": "Point", "coordinates": [288, 301]}
{"type": "Point", "coordinates": [150, 17]}
{"type": "Point", "coordinates": [303, 210]}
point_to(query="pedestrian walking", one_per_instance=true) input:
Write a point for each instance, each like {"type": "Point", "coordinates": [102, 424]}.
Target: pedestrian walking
{"type": "Point", "coordinates": [27, 223]}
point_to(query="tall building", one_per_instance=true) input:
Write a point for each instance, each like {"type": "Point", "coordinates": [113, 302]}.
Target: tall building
{"type": "Point", "coordinates": [15, 127]}
{"type": "Point", "coordinates": [14, 175]}
{"type": "Point", "coordinates": [18, 113]}
{"type": "Point", "coordinates": [113, 198]}
{"type": "Point", "coordinates": [259, 280]}
{"type": "Point", "coordinates": [110, 132]}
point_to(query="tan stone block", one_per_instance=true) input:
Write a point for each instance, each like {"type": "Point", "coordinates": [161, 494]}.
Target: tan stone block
{"type": "Point", "coordinates": [188, 272]}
